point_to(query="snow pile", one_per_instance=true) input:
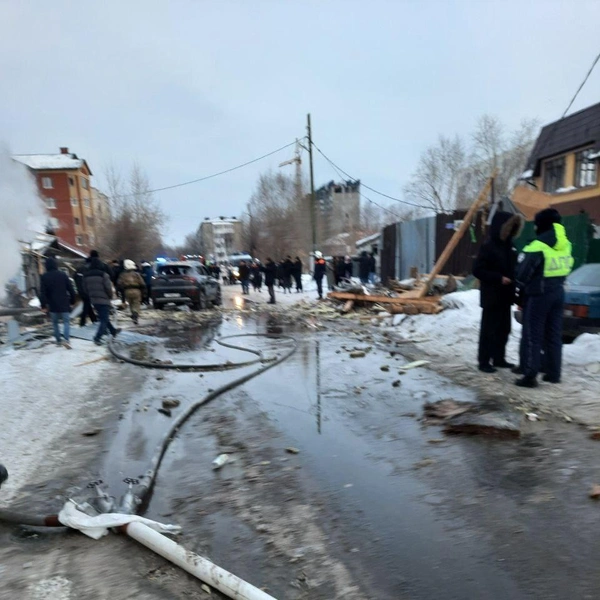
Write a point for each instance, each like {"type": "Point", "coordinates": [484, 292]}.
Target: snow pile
{"type": "Point", "coordinates": [585, 350]}
{"type": "Point", "coordinates": [456, 329]}
{"type": "Point", "coordinates": [43, 393]}
{"type": "Point", "coordinates": [22, 211]}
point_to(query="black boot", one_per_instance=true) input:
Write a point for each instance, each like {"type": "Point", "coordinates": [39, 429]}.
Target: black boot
{"type": "Point", "coordinates": [527, 382]}
{"type": "Point", "coordinates": [487, 369]}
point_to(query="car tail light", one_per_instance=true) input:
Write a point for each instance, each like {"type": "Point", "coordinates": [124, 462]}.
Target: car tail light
{"type": "Point", "coordinates": [578, 310]}
{"type": "Point", "coordinates": [188, 278]}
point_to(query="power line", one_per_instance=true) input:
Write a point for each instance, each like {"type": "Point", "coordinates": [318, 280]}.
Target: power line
{"type": "Point", "coordinates": [177, 185]}
{"type": "Point", "coordinates": [339, 169]}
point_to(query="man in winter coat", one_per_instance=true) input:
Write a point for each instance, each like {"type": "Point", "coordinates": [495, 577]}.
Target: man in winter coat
{"type": "Point", "coordinates": [56, 297]}
{"type": "Point", "coordinates": [320, 267]}
{"type": "Point", "coordinates": [288, 270]}
{"type": "Point", "coordinates": [543, 266]}
{"type": "Point", "coordinates": [256, 275]}
{"type": "Point", "coordinates": [372, 268]}
{"type": "Point", "coordinates": [297, 274]}
{"type": "Point", "coordinates": [98, 286]}
{"type": "Point", "coordinates": [364, 267]}
{"type": "Point", "coordinates": [244, 272]}
{"type": "Point", "coordinates": [495, 269]}
{"type": "Point", "coordinates": [133, 287]}
{"type": "Point", "coordinates": [88, 309]}
{"type": "Point", "coordinates": [270, 271]}
{"type": "Point", "coordinates": [339, 268]}
{"type": "Point", "coordinates": [147, 274]}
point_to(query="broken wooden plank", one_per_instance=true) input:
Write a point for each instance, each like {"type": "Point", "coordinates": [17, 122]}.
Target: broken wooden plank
{"type": "Point", "coordinates": [402, 299]}
{"type": "Point", "coordinates": [458, 234]}
{"type": "Point", "coordinates": [348, 306]}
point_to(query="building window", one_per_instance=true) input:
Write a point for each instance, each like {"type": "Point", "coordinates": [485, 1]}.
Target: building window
{"type": "Point", "coordinates": [50, 203]}
{"type": "Point", "coordinates": [586, 168]}
{"type": "Point", "coordinates": [76, 220]}
{"type": "Point", "coordinates": [74, 202]}
{"type": "Point", "coordinates": [79, 240]}
{"type": "Point", "coordinates": [84, 183]}
{"type": "Point", "coordinates": [71, 181]}
{"type": "Point", "coordinates": [89, 221]}
{"type": "Point", "coordinates": [86, 202]}
{"type": "Point", "coordinates": [47, 183]}
{"type": "Point", "coordinates": [53, 222]}
{"type": "Point", "coordinates": [554, 174]}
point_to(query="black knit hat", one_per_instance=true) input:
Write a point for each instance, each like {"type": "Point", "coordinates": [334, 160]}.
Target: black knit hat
{"type": "Point", "coordinates": [546, 218]}
{"type": "Point", "coordinates": [94, 254]}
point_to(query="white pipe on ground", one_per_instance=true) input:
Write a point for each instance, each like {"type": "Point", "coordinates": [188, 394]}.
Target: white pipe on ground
{"type": "Point", "coordinates": [227, 583]}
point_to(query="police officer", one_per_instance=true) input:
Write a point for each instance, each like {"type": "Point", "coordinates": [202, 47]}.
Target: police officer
{"type": "Point", "coordinates": [543, 267]}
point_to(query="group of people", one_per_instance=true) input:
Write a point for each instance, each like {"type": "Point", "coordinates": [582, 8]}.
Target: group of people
{"type": "Point", "coordinates": [535, 281]}
{"type": "Point", "coordinates": [96, 284]}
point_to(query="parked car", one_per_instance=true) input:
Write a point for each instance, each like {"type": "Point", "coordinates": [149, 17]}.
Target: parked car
{"type": "Point", "coordinates": [185, 282]}
{"type": "Point", "coordinates": [582, 302]}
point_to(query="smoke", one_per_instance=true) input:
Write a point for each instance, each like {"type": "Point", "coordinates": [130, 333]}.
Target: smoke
{"type": "Point", "coordinates": [22, 214]}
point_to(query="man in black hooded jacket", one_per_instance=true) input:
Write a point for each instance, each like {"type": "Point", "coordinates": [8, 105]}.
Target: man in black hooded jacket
{"type": "Point", "coordinates": [56, 297]}
{"type": "Point", "coordinates": [495, 268]}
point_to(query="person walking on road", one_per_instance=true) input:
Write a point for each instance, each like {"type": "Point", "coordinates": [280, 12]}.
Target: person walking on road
{"type": "Point", "coordinates": [319, 270]}
{"type": "Point", "coordinates": [98, 286]}
{"type": "Point", "coordinates": [56, 297]}
{"type": "Point", "coordinates": [543, 266]}
{"type": "Point", "coordinates": [288, 270]}
{"type": "Point", "coordinates": [495, 268]}
{"type": "Point", "coordinates": [133, 288]}
{"type": "Point", "coordinates": [88, 309]}
{"type": "Point", "coordinates": [147, 274]}
{"type": "Point", "coordinates": [256, 275]}
{"type": "Point", "coordinates": [297, 273]}
{"type": "Point", "coordinates": [270, 271]}
{"type": "Point", "coordinates": [244, 272]}
{"type": "Point", "coordinates": [363, 267]}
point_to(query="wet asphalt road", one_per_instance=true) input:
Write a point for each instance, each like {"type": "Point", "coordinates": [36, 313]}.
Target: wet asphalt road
{"type": "Point", "coordinates": [412, 513]}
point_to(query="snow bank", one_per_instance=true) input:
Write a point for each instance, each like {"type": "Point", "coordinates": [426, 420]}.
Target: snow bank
{"type": "Point", "coordinates": [456, 329]}
{"type": "Point", "coordinates": [43, 392]}
{"type": "Point", "coordinates": [585, 350]}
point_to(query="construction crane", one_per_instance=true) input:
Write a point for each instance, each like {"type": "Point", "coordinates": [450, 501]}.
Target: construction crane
{"type": "Point", "coordinates": [297, 160]}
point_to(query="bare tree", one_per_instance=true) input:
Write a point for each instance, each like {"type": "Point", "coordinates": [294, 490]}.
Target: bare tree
{"type": "Point", "coordinates": [437, 180]}
{"type": "Point", "coordinates": [132, 228]}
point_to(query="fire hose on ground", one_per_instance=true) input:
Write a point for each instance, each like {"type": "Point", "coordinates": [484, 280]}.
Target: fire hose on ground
{"type": "Point", "coordinates": [220, 579]}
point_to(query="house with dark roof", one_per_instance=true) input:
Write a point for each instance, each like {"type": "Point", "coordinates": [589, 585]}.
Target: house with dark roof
{"type": "Point", "coordinates": [562, 170]}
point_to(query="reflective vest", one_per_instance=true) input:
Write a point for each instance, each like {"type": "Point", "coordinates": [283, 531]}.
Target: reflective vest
{"type": "Point", "coordinates": [558, 261]}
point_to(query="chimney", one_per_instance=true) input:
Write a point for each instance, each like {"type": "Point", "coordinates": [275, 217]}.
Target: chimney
{"type": "Point", "coordinates": [64, 151]}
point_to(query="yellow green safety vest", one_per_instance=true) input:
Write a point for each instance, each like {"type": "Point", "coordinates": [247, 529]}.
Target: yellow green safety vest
{"type": "Point", "coordinates": [558, 261]}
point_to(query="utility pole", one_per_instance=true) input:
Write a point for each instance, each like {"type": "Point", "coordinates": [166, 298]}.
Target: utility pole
{"type": "Point", "coordinates": [313, 207]}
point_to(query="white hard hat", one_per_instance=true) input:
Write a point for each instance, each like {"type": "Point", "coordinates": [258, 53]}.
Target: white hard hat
{"type": "Point", "coordinates": [318, 254]}
{"type": "Point", "coordinates": [129, 265]}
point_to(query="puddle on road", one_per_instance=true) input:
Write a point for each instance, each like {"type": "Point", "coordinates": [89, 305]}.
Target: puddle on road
{"type": "Point", "coordinates": [404, 503]}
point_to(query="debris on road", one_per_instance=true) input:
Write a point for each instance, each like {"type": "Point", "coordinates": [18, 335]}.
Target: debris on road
{"type": "Point", "coordinates": [436, 412]}
{"type": "Point", "coordinates": [595, 492]}
{"type": "Point", "coordinates": [292, 450]}
{"type": "Point", "coordinates": [491, 416]}
{"type": "Point", "coordinates": [171, 403]}
{"type": "Point", "coordinates": [165, 411]}
{"type": "Point", "coordinates": [414, 365]}
{"type": "Point", "coordinates": [220, 461]}
{"type": "Point", "coordinates": [396, 383]}
{"type": "Point", "coordinates": [91, 432]}
{"type": "Point", "coordinates": [532, 416]}
{"type": "Point", "coordinates": [357, 354]}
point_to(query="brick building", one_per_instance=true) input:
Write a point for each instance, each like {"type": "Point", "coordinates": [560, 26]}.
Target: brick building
{"type": "Point", "coordinates": [64, 184]}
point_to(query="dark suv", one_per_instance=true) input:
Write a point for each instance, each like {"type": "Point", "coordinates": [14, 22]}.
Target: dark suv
{"type": "Point", "coordinates": [185, 283]}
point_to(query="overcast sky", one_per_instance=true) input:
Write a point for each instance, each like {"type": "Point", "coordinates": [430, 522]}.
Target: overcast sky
{"type": "Point", "coordinates": [190, 87]}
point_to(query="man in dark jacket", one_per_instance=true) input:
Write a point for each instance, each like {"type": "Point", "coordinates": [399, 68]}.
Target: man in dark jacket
{"type": "Point", "coordinates": [543, 266]}
{"type": "Point", "coordinates": [98, 286]}
{"type": "Point", "coordinates": [56, 297]}
{"type": "Point", "coordinates": [297, 274]}
{"type": "Point", "coordinates": [348, 267]}
{"type": "Point", "coordinates": [88, 309]}
{"type": "Point", "coordinates": [288, 270]}
{"type": "Point", "coordinates": [256, 275]}
{"type": "Point", "coordinates": [320, 268]}
{"type": "Point", "coordinates": [364, 267]}
{"type": "Point", "coordinates": [495, 269]}
{"type": "Point", "coordinates": [339, 269]}
{"type": "Point", "coordinates": [372, 268]}
{"type": "Point", "coordinates": [244, 272]}
{"type": "Point", "coordinates": [270, 271]}
{"type": "Point", "coordinates": [147, 274]}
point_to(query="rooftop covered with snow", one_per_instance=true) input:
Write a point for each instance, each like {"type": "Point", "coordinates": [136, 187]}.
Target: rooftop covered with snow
{"type": "Point", "coordinates": [52, 162]}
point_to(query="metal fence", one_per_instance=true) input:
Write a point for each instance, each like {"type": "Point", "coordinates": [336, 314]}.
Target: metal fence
{"type": "Point", "coordinates": [416, 246]}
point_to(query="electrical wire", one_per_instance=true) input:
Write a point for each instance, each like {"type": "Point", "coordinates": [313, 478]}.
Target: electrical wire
{"type": "Point", "coordinates": [206, 177]}
{"type": "Point", "coordinates": [340, 170]}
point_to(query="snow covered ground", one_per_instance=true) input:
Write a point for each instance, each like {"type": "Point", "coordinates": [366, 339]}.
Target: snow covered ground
{"type": "Point", "coordinates": [44, 392]}
{"type": "Point", "coordinates": [452, 336]}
